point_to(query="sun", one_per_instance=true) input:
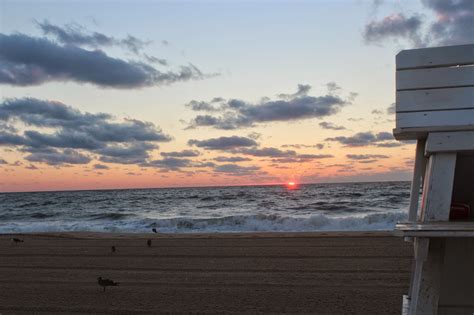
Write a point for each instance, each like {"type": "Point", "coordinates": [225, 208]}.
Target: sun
{"type": "Point", "coordinates": [291, 185]}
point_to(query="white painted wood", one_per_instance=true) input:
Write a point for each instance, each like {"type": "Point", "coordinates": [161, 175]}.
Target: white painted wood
{"type": "Point", "coordinates": [413, 133]}
{"type": "Point", "coordinates": [436, 99]}
{"type": "Point", "coordinates": [450, 229]}
{"type": "Point", "coordinates": [445, 119]}
{"type": "Point", "coordinates": [436, 226]}
{"type": "Point", "coordinates": [420, 164]}
{"type": "Point", "coordinates": [430, 284]}
{"type": "Point", "coordinates": [435, 57]}
{"type": "Point", "coordinates": [420, 246]}
{"type": "Point", "coordinates": [460, 141]}
{"type": "Point", "coordinates": [438, 187]}
{"type": "Point", "coordinates": [435, 78]}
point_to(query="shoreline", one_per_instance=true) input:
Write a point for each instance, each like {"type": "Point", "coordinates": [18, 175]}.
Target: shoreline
{"type": "Point", "coordinates": [263, 234]}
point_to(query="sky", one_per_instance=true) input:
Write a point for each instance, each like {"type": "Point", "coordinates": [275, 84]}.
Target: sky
{"type": "Point", "coordinates": [139, 94]}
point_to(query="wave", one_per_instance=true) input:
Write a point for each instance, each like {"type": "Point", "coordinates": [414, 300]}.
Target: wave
{"type": "Point", "coordinates": [381, 221]}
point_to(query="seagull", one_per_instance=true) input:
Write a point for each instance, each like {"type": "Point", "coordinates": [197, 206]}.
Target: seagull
{"type": "Point", "coordinates": [17, 240]}
{"type": "Point", "coordinates": [148, 243]}
{"type": "Point", "coordinates": [154, 230]}
{"type": "Point", "coordinates": [113, 249]}
{"type": "Point", "coordinates": [106, 282]}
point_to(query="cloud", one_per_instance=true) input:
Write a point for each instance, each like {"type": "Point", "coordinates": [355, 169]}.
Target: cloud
{"type": "Point", "coordinates": [451, 23]}
{"type": "Point", "coordinates": [366, 156]}
{"type": "Point", "coordinates": [394, 26]}
{"type": "Point", "coordinates": [100, 167]}
{"type": "Point", "coordinates": [299, 146]}
{"type": "Point", "coordinates": [128, 142]}
{"type": "Point", "coordinates": [331, 126]}
{"type": "Point", "coordinates": [234, 113]}
{"type": "Point", "coordinates": [169, 163]}
{"type": "Point", "coordinates": [302, 158]}
{"type": "Point", "coordinates": [3, 162]}
{"type": "Point", "coordinates": [454, 21]}
{"type": "Point", "coordinates": [73, 34]}
{"type": "Point", "coordinates": [363, 139]}
{"type": "Point", "coordinates": [391, 109]}
{"type": "Point", "coordinates": [232, 159]}
{"type": "Point", "coordinates": [180, 154]}
{"type": "Point", "coordinates": [26, 60]}
{"type": "Point", "coordinates": [130, 153]}
{"type": "Point", "coordinates": [289, 155]}
{"type": "Point", "coordinates": [59, 157]}
{"type": "Point", "coordinates": [266, 152]}
{"type": "Point", "coordinates": [236, 170]}
{"type": "Point", "coordinates": [223, 143]}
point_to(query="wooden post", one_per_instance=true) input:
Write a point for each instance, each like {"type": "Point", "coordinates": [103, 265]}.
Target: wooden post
{"type": "Point", "coordinates": [418, 173]}
{"type": "Point", "coordinates": [437, 193]}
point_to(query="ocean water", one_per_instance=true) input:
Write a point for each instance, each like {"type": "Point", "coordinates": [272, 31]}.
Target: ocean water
{"type": "Point", "coordinates": [312, 207]}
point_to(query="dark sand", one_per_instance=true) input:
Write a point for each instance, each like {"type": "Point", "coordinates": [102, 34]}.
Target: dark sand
{"type": "Point", "coordinates": [364, 273]}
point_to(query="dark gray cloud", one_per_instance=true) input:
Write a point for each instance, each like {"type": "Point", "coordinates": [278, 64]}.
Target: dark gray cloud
{"type": "Point", "coordinates": [3, 162]}
{"type": "Point", "coordinates": [234, 113]}
{"type": "Point", "coordinates": [391, 109]}
{"type": "Point", "coordinates": [451, 23]}
{"type": "Point", "coordinates": [232, 159]}
{"type": "Point", "coordinates": [223, 143]}
{"type": "Point", "coordinates": [319, 146]}
{"type": "Point", "coordinates": [267, 152]}
{"type": "Point", "coordinates": [130, 153]}
{"type": "Point", "coordinates": [286, 156]}
{"type": "Point", "coordinates": [363, 139]}
{"type": "Point", "coordinates": [26, 60]}
{"type": "Point", "coordinates": [366, 156]}
{"type": "Point", "coordinates": [454, 23]}
{"type": "Point", "coordinates": [331, 126]}
{"type": "Point", "coordinates": [170, 163]}
{"type": "Point", "coordinates": [57, 157]}
{"type": "Point", "coordinates": [128, 142]}
{"type": "Point", "coordinates": [302, 158]}
{"type": "Point", "coordinates": [180, 154]}
{"type": "Point", "coordinates": [394, 26]}
{"type": "Point", "coordinates": [73, 34]}
{"type": "Point", "coordinates": [100, 167]}
{"type": "Point", "coordinates": [236, 170]}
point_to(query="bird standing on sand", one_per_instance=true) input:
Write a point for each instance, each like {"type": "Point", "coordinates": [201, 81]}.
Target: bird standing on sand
{"type": "Point", "coordinates": [148, 243]}
{"type": "Point", "coordinates": [113, 249]}
{"type": "Point", "coordinates": [154, 230]}
{"type": "Point", "coordinates": [106, 282]}
{"type": "Point", "coordinates": [17, 240]}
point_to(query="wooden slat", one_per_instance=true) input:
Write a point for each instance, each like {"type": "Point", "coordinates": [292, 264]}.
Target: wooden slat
{"type": "Point", "coordinates": [435, 118]}
{"type": "Point", "coordinates": [435, 57]}
{"type": "Point", "coordinates": [437, 99]}
{"type": "Point", "coordinates": [450, 142]}
{"type": "Point", "coordinates": [413, 133]}
{"type": "Point", "coordinates": [435, 78]}
{"type": "Point", "coordinates": [438, 188]}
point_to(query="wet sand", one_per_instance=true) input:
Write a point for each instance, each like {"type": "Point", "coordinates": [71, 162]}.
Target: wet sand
{"type": "Point", "coordinates": [323, 273]}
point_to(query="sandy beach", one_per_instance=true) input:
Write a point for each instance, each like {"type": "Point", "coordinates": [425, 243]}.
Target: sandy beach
{"type": "Point", "coordinates": [206, 273]}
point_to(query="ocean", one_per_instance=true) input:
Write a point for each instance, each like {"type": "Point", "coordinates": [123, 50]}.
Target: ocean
{"type": "Point", "coordinates": [310, 207]}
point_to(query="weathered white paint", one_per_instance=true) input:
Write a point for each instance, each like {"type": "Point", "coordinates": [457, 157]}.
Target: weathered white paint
{"type": "Point", "coordinates": [435, 57]}
{"type": "Point", "coordinates": [420, 246]}
{"type": "Point", "coordinates": [438, 187]}
{"type": "Point", "coordinates": [460, 141]}
{"type": "Point", "coordinates": [435, 78]}
{"type": "Point", "coordinates": [436, 99]}
{"type": "Point", "coordinates": [412, 133]}
{"type": "Point", "coordinates": [444, 119]}
{"type": "Point", "coordinates": [418, 172]}
{"type": "Point", "coordinates": [430, 283]}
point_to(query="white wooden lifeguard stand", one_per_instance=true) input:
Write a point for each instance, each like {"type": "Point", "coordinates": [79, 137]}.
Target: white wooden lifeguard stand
{"type": "Point", "coordinates": [435, 106]}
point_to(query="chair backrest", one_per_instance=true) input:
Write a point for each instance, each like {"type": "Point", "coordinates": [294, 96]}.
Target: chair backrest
{"type": "Point", "coordinates": [435, 91]}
